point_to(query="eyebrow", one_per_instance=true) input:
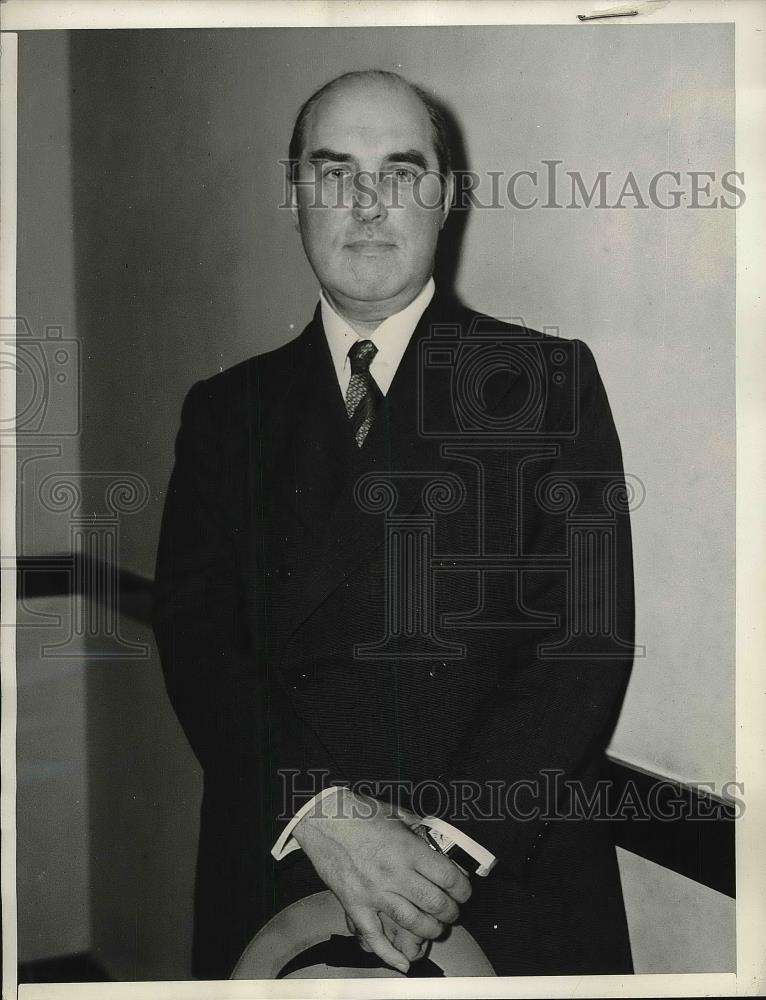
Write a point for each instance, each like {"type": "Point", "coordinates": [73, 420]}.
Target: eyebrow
{"type": "Point", "coordinates": [323, 153]}
{"type": "Point", "coordinates": [413, 156]}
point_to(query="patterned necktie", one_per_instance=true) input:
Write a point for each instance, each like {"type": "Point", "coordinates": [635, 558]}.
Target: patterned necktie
{"type": "Point", "coordinates": [363, 393]}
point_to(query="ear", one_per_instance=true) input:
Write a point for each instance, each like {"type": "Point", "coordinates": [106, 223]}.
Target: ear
{"type": "Point", "coordinates": [449, 194]}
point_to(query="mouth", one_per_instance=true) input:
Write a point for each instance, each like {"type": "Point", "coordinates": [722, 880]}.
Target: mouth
{"type": "Point", "coordinates": [370, 247]}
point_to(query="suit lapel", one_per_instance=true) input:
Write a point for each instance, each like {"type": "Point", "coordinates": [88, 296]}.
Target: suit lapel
{"type": "Point", "coordinates": [396, 450]}
{"type": "Point", "coordinates": [307, 454]}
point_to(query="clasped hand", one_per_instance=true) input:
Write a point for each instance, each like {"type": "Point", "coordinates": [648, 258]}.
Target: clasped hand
{"type": "Point", "coordinates": [397, 893]}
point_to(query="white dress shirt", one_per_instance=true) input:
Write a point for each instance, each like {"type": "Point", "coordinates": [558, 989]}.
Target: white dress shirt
{"type": "Point", "coordinates": [390, 338]}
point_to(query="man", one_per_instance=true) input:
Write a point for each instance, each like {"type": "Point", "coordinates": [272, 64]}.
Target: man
{"type": "Point", "coordinates": [388, 573]}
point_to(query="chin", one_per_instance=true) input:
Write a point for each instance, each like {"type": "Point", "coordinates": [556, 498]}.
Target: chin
{"type": "Point", "coordinates": [372, 289]}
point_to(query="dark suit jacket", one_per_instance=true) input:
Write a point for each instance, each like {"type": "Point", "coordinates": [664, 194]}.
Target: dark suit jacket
{"type": "Point", "coordinates": [276, 621]}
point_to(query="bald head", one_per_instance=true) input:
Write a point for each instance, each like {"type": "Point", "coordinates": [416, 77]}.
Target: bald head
{"type": "Point", "coordinates": [380, 80]}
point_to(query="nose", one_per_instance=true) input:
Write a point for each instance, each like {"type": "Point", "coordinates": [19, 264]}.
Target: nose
{"type": "Point", "coordinates": [367, 203]}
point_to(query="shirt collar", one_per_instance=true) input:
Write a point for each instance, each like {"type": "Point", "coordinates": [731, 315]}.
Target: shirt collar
{"type": "Point", "coordinates": [390, 338]}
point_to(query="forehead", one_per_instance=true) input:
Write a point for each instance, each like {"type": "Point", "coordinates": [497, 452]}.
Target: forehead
{"type": "Point", "coordinates": [370, 117]}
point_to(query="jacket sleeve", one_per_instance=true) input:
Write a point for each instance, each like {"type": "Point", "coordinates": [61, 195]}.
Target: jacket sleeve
{"type": "Point", "coordinates": [555, 713]}
{"type": "Point", "coordinates": [216, 672]}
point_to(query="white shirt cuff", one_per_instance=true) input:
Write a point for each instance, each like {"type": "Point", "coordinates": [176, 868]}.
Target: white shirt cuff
{"type": "Point", "coordinates": [286, 843]}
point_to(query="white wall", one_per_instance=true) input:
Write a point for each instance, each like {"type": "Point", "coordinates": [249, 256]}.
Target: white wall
{"type": "Point", "coordinates": [676, 925]}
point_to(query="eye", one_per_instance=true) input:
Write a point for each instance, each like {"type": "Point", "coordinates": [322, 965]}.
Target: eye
{"type": "Point", "coordinates": [405, 174]}
{"type": "Point", "coordinates": [336, 173]}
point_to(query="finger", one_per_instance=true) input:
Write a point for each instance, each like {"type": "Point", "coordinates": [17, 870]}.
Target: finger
{"type": "Point", "coordinates": [429, 898]}
{"type": "Point", "coordinates": [409, 945]}
{"type": "Point", "coordinates": [406, 942]}
{"type": "Point", "coordinates": [371, 934]}
{"type": "Point", "coordinates": [444, 874]}
{"type": "Point", "coordinates": [402, 911]}
{"type": "Point", "coordinates": [355, 932]}
{"type": "Point", "coordinates": [389, 928]}
{"type": "Point", "coordinates": [422, 948]}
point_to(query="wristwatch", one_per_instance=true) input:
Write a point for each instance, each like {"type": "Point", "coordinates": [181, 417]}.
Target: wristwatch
{"type": "Point", "coordinates": [471, 858]}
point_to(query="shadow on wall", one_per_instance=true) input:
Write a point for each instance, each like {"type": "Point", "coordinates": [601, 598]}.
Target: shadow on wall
{"type": "Point", "coordinates": [452, 239]}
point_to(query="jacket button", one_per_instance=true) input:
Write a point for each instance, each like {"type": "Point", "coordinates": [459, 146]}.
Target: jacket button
{"type": "Point", "coordinates": [299, 681]}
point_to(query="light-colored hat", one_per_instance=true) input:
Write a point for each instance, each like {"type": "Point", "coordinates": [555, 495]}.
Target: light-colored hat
{"type": "Point", "coordinates": [309, 940]}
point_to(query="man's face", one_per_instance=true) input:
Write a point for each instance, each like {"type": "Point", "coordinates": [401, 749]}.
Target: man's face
{"type": "Point", "coordinates": [369, 203]}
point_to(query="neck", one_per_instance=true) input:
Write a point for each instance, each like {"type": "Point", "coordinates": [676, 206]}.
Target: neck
{"type": "Point", "coordinates": [365, 317]}
{"type": "Point", "coordinates": [362, 325]}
